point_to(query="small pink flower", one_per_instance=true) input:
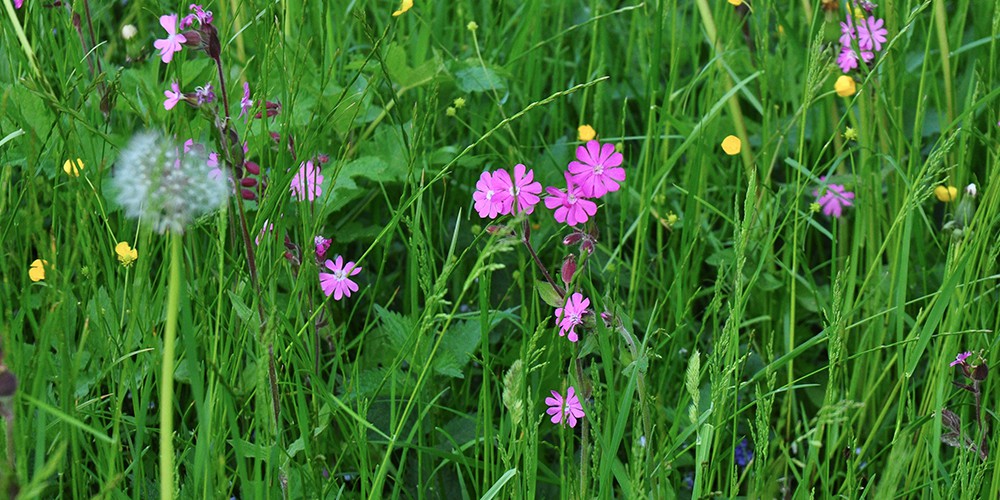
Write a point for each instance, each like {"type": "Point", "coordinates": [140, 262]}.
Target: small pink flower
{"type": "Point", "coordinates": [834, 199]}
{"type": "Point", "coordinates": [521, 188]}
{"type": "Point", "coordinates": [871, 34]}
{"type": "Point", "coordinates": [846, 32]}
{"type": "Point", "coordinates": [570, 316]}
{"type": "Point", "coordinates": [307, 183]}
{"type": "Point", "coordinates": [18, 4]}
{"type": "Point", "coordinates": [597, 170]}
{"type": "Point", "coordinates": [245, 103]}
{"type": "Point", "coordinates": [174, 95]}
{"type": "Point", "coordinates": [213, 164]}
{"type": "Point", "coordinates": [960, 359]}
{"type": "Point", "coordinates": [322, 245]}
{"type": "Point", "coordinates": [564, 409]}
{"type": "Point", "coordinates": [571, 206]}
{"type": "Point", "coordinates": [339, 283]}
{"type": "Point", "coordinates": [172, 43]}
{"type": "Point", "coordinates": [847, 60]}
{"type": "Point", "coordinates": [490, 196]}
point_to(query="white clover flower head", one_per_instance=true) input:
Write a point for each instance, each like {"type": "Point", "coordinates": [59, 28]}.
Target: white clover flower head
{"type": "Point", "coordinates": [971, 190]}
{"type": "Point", "coordinates": [163, 186]}
{"type": "Point", "coordinates": [129, 31]}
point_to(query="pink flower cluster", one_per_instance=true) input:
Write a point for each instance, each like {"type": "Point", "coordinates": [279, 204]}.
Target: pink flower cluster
{"type": "Point", "coordinates": [868, 36]}
{"type": "Point", "coordinates": [200, 38]}
{"type": "Point", "coordinates": [595, 172]}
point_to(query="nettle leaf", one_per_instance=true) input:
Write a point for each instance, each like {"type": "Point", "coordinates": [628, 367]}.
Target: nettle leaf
{"type": "Point", "coordinates": [395, 328]}
{"type": "Point", "coordinates": [406, 76]}
{"type": "Point", "coordinates": [472, 76]}
{"type": "Point", "coordinates": [456, 348]}
{"type": "Point", "coordinates": [341, 183]}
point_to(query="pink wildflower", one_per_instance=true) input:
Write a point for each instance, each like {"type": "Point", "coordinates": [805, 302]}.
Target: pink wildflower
{"type": "Point", "coordinates": [213, 163]}
{"type": "Point", "coordinates": [847, 32]}
{"type": "Point", "coordinates": [960, 359]}
{"type": "Point", "coordinates": [18, 4]}
{"type": "Point", "coordinates": [597, 170]}
{"type": "Point", "coordinates": [570, 316]}
{"type": "Point", "coordinates": [848, 59]}
{"type": "Point", "coordinates": [834, 199]}
{"type": "Point", "coordinates": [490, 196]}
{"type": "Point", "coordinates": [571, 206]}
{"type": "Point", "coordinates": [339, 283]}
{"type": "Point", "coordinates": [307, 182]}
{"type": "Point", "coordinates": [563, 409]}
{"type": "Point", "coordinates": [245, 103]}
{"type": "Point", "coordinates": [172, 43]}
{"type": "Point", "coordinates": [871, 34]}
{"type": "Point", "coordinates": [174, 95]}
{"type": "Point", "coordinates": [521, 188]}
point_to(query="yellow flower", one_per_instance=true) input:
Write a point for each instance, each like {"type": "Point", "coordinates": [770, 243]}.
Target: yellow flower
{"type": "Point", "coordinates": [850, 134]}
{"type": "Point", "coordinates": [735, 2]}
{"type": "Point", "coordinates": [126, 254]}
{"type": "Point", "coordinates": [586, 133]}
{"type": "Point", "coordinates": [403, 7]}
{"type": "Point", "coordinates": [472, 26]}
{"type": "Point", "coordinates": [946, 194]}
{"type": "Point", "coordinates": [37, 270]}
{"type": "Point", "coordinates": [732, 145]}
{"type": "Point", "coordinates": [845, 86]}
{"type": "Point", "coordinates": [73, 168]}
{"type": "Point", "coordinates": [459, 102]}
{"type": "Point", "coordinates": [814, 207]}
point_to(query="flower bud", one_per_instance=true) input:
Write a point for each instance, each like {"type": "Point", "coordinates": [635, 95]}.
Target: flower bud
{"type": "Point", "coordinates": [248, 182]}
{"type": "Point", "coordinates": [252, 167]}
{"type": "Point", "coordinates": [129, 31]}
{"type": "Point", "coordinates": [979, 372]}
{"type": "Point", "coordinates": [573, 238]}
{"type": "Point", "coordinates": [568, 269]}
{"type": "Point", "coordinates": [248, 195]}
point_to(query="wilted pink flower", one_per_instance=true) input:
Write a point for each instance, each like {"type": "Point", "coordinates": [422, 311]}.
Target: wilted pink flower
{"type": "Point", "coordinates": [960, 359]}
{"type": "Point", "coordinates": [564, 409]}
{"type": "Point", "coordinates": [204, 95]}
{"type": "Point", "coordinates": [174, 96]}
{"type": "Point", "coordinates": [172, 43]}
{"type": "Point", "coordinates": [307, 182]}
{"type": "Point", "coordinates": [245, 102]}
{"type": "Point", "coordinates": [267, 228]}
{"type": "Point", "coordinates": [871, 34]}
{"type": "Point", "coordinates": [834, 199]}
{"type": "Point", "coordinates": [199, 14]}
{"type": "Point", "coordinates": [490, 196]}
{"type": "Point", "coordinates": [322, 245]}
{"type": "Point", "coordinates": [571, 315]}
{"type": "Point", "coordinates": [521, 188]}
{"type": "Point", "coordinates": [596, 169]}
{"type": "Point", "coordinates": [571, 206]}
{"type": "Point", "coordinates": [338, 283]}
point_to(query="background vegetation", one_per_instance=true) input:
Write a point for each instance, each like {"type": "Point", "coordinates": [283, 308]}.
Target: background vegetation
{"type": "Point", "coordinates": [822, 342]}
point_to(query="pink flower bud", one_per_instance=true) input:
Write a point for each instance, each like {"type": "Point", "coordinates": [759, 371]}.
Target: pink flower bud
{"type": "Point", "coordinates": [252, 167]}
{"type": "Point", "coordinates": [568, 269]}
{"type": "Point", "coordinates": [248, 182]}
{"type": "Point", "coordinates": [248, 195]}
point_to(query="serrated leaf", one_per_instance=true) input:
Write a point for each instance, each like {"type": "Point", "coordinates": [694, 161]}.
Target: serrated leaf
{"type": "Point", "coordinates": [476, 78]}
{"type": "Point", "coordinates": [395, 327]}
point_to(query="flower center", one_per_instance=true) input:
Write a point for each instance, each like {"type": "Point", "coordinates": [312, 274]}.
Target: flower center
{"type": "Point", "coordinates": [599, 170]}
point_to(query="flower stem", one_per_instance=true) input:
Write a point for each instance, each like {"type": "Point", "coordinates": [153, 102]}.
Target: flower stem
{"type": "Point", "coordinates": [526, 239]}
{"type": "Point", "coordinates": [167, 375]}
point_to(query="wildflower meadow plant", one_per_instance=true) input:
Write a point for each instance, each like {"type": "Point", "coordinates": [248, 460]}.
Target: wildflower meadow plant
{"type": "Point", "coordinates": [867, 36]}
{"type": "Point", "coordinates": [338, 281]}
{"type": "Point", "coordinates": [571, 315]}
{"type": "Point", "coordinates": [564, 410]}
{"type": "Point", "coordinates": [833, 199]}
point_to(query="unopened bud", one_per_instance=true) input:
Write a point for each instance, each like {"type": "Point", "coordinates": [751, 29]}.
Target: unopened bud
{"type": "Point", "coordinates": [588, 246]}
{"type": "Point", "coordinates": [248, 195]}
{"type": "Point", "coordinates": [573, 238]}
{"type": "Point", "coordinates": [979, 372]}
{"type": "Point", "coordinates": [568, 269]}
{"type": "Point", "coordinates": [252, 167]}
{"type": "Point", "coordinates": [248, 182]}
{"type": "Point", "coordinates": [129, 31]}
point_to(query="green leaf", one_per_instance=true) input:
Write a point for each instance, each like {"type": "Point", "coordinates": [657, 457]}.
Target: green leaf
{"type": "Point", "coordinates": [406, 76]}
{"type": "Point", "coordinates": [549, 294]}
{"type": "Point", "coordinates": [472, 76]}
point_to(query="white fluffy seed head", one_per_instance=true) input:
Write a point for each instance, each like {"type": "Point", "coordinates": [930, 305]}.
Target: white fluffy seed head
{"type": "Point", "coordinates": [129, 31]}
{"type": "Point", "coordinates": [161, 185]}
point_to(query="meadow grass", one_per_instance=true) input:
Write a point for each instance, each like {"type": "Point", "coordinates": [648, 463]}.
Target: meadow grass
{"type": "Point", "coordinates": [740, 341]}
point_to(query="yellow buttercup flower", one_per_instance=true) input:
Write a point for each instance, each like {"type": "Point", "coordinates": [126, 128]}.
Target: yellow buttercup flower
{"type": "Point", "coordinates": [946, 194]}
{"type": "Point", "coordinates": [73, 167]}
{"type": "Point", "coordinates": [586, 133]}
{"type": "Point", "coordinates": [735, 2]}
{"type": "Point", "coordinates": [845, 86]}
{"type": "Point", "coordinates": [851, 134]}
{"type": "Point", "coordinates": [126, 254]}
{"type": "Point", "coordinates": [37, 270]}
{"type": "Point", "coordinates": [403, 7]}
{"type": "Point", "coordinates": [732, 145]}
